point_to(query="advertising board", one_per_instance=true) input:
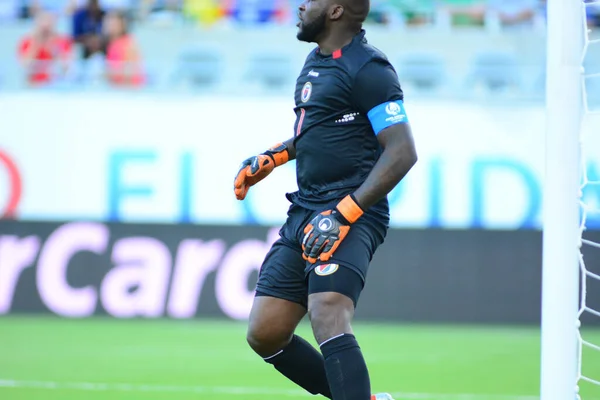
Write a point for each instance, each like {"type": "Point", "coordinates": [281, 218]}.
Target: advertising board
{"type": "Point", "coordinates": [83, 269]}
{"type": "Point", "coordinates": [168, 160]}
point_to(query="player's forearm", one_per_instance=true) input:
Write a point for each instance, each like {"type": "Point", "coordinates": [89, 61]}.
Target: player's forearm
{"type": "Point", "coordinates": [393, 165]}
{"type": "Point", "coordinates": [255, 169]}
{"type": "Point", "coordinates": [290, 148]}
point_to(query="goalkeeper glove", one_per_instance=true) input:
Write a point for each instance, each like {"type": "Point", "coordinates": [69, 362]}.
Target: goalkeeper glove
{"type": "Point", "coordinates": [323, 235]}
{"type": "Point", "coordinates": [257, 168]}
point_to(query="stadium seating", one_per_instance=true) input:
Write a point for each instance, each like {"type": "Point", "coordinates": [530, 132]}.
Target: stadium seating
{"type": "Point", "coordinates": [272, 71]}
{"type": "Point", "coordinates": [199, 66]}
{"type": "Point", "coordinates": [199, 50]}
{"type": "Point", "coordinates": [426, 71]}
{"type": "Point", "coordinates": [495, 70]}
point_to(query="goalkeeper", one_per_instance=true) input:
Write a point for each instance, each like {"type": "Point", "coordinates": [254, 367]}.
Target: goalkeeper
{"type": "Point", "coordinates": [352, 146]}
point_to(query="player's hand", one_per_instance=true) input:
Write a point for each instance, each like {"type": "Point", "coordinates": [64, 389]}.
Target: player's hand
{"type": "Point", "coordinates": [323, 235]}
{"type": "Point", "coordinates": [257, 168]}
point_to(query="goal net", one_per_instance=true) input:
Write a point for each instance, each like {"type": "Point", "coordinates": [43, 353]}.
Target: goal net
{"type": "Point", "coordinates": [573, 119]}
{"type": "Point", "coordinates": [590, 207]}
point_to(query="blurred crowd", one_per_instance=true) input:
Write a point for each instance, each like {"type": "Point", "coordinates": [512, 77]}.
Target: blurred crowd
{"type": "Point", "coordinates": [97, 35]}
{"type": "Point", "coordinates": [389, 12]}
{"type": "Point", "coordinates": [99, 31]}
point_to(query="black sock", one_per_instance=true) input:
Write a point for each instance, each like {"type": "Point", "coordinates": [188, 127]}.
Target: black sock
{"type": "Point", "coordinates": [346, 368]}
{"type": "Point", "coordinates": [302, 364]}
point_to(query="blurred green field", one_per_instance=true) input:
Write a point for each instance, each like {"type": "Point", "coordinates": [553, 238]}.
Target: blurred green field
{"type": "Point", "coordinates": [58, 359]}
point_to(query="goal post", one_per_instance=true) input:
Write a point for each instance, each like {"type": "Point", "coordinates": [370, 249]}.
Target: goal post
{"type": "Point", "coordinates": [560, 278]}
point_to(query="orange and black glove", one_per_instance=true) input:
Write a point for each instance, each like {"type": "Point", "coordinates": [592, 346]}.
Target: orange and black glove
{"type": "Point", "coordinates": [323, 235]}
{"type": "Point", "coordinates": [257, 168]}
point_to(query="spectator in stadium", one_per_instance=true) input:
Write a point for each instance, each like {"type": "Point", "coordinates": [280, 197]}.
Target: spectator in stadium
{"type": "Point", "coordinates": [87, 29]}
{"type": "Point", "coordinates": [383, 12]}
{"type": "Point", "coordinates": [402, 12]}
{"type": "Point", "coordinates": [44, 53]}
{"type": "Point", "coordinates": [205, 12]}
{"type": "Point", "coordinates": [255, 12]}
{"type": "Point", "coordinates": [514, 13]}
{"type": "Point", "coordinates": [123, 60]}
{"type": "Point", "coordinates": [465, 12]}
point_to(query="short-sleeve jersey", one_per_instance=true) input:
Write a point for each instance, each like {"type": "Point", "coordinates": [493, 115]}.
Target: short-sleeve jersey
{"type": "Point", "coordinates": [342, 102]}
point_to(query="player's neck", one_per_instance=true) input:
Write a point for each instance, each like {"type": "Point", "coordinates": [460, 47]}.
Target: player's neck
{"type": "Point", "coordinates": [335, 41]}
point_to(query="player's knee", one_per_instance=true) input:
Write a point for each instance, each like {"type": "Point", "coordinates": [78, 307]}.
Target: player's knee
{"type": "Point", "coordinates": [330, 315]}
{"type": "Point", "coordinates": [267, 340]}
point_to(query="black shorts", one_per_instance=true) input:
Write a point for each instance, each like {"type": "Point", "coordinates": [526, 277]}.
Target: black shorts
{"type": "Point", "coordinates": [285, 274]}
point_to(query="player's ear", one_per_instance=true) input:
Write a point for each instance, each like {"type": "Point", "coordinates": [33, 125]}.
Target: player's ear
{"type": "Point", "coordinates": [336, 11]}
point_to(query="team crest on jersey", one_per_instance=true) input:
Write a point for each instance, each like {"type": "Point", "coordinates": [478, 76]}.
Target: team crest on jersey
{"type": "Point", "coordinates": [326, 269]}
{"type": "Point", "coordinates": [306, 92]}
{"type": "Point", "coordinates": [393, 108]}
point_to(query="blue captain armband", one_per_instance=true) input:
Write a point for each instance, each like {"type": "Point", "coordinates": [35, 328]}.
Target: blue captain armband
{"type": "Point", "coordinates": [386, 115]}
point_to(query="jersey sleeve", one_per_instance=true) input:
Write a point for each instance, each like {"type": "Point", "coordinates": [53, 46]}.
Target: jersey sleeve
{"type": "Point", "coordinates": [378, 95]}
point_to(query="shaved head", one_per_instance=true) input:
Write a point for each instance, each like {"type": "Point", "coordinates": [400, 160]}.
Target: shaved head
{"type": "Point", "coordinates": [356, 10]}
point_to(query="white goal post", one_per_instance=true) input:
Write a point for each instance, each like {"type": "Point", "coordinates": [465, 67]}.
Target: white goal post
{"type": "Point", "coordinates": [561, 235]}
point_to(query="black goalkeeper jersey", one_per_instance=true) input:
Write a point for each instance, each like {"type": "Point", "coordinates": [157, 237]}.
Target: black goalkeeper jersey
{"type": "Point", "coordinates": [342, 101]}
